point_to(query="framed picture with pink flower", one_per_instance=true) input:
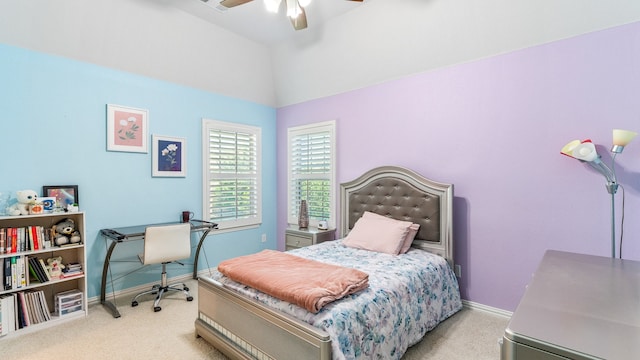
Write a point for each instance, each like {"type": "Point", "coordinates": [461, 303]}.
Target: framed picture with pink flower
{"type": "Point", "coordinates": [127, 129]}
{"type": "Point", "coordinates": [169, 156]}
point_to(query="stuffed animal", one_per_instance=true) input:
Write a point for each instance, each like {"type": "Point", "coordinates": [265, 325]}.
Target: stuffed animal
{"type": "Point", "coordinates": [55, 266]}
{"type": "Point", "coordinates": [24, 198]}
{"type": "Point", "coordinates": [64, 232]}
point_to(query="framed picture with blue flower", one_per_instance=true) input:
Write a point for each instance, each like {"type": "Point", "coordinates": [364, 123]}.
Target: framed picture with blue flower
{"type": "Point", "coordinates": [169, 156]}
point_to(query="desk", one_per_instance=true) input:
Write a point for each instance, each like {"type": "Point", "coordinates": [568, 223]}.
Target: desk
{"type": "Point", "coordinates": [577, 307]}
{"type": "Point", "coordinates": [131, 233]}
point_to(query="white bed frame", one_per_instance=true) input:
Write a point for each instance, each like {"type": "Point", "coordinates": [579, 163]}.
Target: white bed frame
{"type": "Point", "coordinates": [242, 328]}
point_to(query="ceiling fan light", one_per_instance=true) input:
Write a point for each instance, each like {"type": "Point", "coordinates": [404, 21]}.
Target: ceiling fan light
{"type": "Point", "coordinates": [272, 5]}
{"type": "Point", "coordinates": [293, 9]}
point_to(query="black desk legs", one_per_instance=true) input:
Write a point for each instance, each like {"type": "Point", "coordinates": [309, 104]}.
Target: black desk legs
{"type": "Point", "coordinates": [103, 288]}
{"type": "Point", "coordinates": [105, 269]}
{"type": "Point", "coordinates": [195, 261]}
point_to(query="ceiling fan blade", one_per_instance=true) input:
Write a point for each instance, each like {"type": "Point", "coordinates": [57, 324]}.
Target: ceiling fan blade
{"type": "Point", "coordinates": [300, 22]}
{"type": "Point", "coordinates": [232, 3]}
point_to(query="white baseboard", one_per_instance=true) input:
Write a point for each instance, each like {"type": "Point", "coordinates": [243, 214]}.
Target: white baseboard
{"type": "Point", "coordinates": [488, 309]}
{"type": "Point", "coordinates": [132, 291]}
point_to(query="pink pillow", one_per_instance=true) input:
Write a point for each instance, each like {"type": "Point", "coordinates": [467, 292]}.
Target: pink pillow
{"type": "Point", "coordinates": [376, 234]}
{"type": "Point", "coordinates": [413, 229]}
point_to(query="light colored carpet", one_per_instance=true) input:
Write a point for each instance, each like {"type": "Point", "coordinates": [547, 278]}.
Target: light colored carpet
{"type": "Point", "coordinates": [169, 334]}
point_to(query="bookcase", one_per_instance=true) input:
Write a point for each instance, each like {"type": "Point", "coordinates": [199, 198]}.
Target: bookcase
{"type": "Point", "coordinates": [33, 292]}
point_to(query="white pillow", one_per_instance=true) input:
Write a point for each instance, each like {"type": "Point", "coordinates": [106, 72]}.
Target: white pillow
{"type": "Point", "coordinates": [378, 234]}
{"type": "Point", "coordinates": [413, 230]}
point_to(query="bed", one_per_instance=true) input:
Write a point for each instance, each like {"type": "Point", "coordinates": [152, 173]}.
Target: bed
{"type": "Point", "coordinates": [246, 324]}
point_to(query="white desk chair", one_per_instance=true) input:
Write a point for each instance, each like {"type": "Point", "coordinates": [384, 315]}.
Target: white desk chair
{"type": "Point", "coordinates": [164, 244]}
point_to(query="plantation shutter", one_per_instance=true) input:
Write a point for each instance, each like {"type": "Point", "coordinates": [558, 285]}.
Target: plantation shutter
{"type": "Point", "coordinates": [311, 172]}
{"type": "Point", "coordinates": [233, 183]}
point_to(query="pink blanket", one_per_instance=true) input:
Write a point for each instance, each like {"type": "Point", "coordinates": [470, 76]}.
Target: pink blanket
{"type": "Point", "coordinates": [307, 283]}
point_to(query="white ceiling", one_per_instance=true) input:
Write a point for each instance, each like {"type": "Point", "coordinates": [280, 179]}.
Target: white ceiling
{"type": "Point", "coordinates": [347, 46]}
{"type": "Point", "coordinates": [254, 22]}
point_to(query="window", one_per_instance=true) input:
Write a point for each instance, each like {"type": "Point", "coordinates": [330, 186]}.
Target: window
{"type": "Point", "coordinates": [231, 174]}
{"type": "Point", "coordinates": [311, 169]}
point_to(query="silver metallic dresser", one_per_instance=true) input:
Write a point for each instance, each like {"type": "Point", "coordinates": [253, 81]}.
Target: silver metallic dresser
{"type": "Point", "coordinates": [577, 307]}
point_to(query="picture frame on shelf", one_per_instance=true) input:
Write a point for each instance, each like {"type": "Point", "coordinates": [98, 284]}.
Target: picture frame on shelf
{"type": "Point", "coordinates": [64, 195]}
{"type": "Point", "coordinates": [48, 203]}
{"type": "Point", "coordinates": [127, 129]}
{"type": "Point", "coordinates": [169, 156]}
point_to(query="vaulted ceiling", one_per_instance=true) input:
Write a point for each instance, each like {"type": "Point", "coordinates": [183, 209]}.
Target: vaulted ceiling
{"type": "Point", "coordinates": [250, 54]}
{"type": "Point", "coordinates": [253, 21]}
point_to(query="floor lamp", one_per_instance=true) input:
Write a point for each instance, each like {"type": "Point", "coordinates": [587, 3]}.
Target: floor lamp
{"type": "Point", "coordinates": [585, 151]}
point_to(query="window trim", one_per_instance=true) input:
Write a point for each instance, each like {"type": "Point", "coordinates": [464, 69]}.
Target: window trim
{"type": "Point", "coordinates": [310, 129]}
{"type": "Point", "coordinates": [235, 225]}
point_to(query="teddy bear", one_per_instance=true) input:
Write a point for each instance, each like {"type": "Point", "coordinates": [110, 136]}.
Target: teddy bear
{"type": "Point", "coordinates": [55, 267]}
{"type": "Point", "coordinates": [24, 198]}
{"type": "Point", "coordinates": [64, 232]}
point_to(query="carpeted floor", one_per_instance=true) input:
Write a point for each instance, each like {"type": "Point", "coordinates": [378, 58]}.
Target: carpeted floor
{"type": "Point", "coordinates": [169, 334]}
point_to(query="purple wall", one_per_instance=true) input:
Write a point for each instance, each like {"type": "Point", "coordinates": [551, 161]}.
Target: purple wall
{"type": "Point", "coordinates": [494, 128]}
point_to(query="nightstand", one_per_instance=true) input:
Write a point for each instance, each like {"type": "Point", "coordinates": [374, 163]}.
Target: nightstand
{"type": "Point", "coordinates": [297, 238]}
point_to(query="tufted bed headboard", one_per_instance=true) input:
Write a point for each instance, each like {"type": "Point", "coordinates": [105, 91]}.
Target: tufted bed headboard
{"type": "Point", "coordinates": [404, 195]}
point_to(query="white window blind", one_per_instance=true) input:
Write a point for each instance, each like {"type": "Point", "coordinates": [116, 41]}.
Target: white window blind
{"type": "Point", "coordinates": [312, 171]}
{"type": "Point", "coordinates": [232, 171]}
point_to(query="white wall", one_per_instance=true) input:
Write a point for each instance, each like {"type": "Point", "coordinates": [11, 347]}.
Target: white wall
{"type": "Point", "coordinates": [384, 39]}
{"type": "Point", "coordinates": [146, 37]}
{"type": "Point", "coordinates": [378, 41]}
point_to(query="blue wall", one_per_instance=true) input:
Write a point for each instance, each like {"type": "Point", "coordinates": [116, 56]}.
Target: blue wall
{"type": "Point", "coordinates": [53, 132]}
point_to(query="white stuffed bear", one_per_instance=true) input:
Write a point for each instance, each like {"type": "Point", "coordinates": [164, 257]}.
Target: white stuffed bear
{"type": "Point", "coordinates": [55, 267]}
{"type": "Point", "coordinates": [25, 198]}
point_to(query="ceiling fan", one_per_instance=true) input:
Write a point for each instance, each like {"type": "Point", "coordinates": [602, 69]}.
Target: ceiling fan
{"type": "Point", "coordinates": [295, 9]}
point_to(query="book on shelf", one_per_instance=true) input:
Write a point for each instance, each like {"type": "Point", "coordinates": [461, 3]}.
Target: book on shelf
{"type": "Point", "coordinates": [22, 271]}
{"type": "Point", "coordinates": [22, 309]}
{"type": "Point", "coordinates": [74, 266]}
{"type": "Point", "coordinates": [28, 298]}
{"type": "Point", "coordinates": [23, 315]}
{"type": "Point", "coordinates": [7, 312]}
{"type": "Point", "coordinates": [7, 274]}
{"type": "Point", "coordinates": [18, 240]}
{"type": "Point", "coordinates": [71, 274]}
{"type": "Point", "coordinates": [14, 240]}
{"type": "Point", "coordinates": [38, 307]}
{"type": "Point", "coordinates": [35, 240]}
{"type": "Point", "coordinates": [14, 272]}
{"type": "Point", "coordinates": [28, 238]}
{"type": "Point", "coordinates": [44, 307]}
{"type": "Point", "coordinates": [44, 269]}
{"type": "Point", "coordinates": [3, 240]}
{"type": "Point", "coordinates": [6, 233]}
{"type": "Point", "coordinates": [40, 272]}
{"type": "Point", "coordinates": [21, 239]}
{"type": "Point", "coordinates": [33, 273]}
{"type": "Point", "coordinates": [72, 269]}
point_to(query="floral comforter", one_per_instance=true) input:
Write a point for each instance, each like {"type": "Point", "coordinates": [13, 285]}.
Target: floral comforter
{"type": "Point", "coordinates": [408, 295]}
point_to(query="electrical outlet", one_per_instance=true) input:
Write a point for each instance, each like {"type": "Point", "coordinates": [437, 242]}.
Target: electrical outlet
{"type": "Point", "coordinates": [264, 237]}
{"type": "Point", "coordinates": [457, 269]}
